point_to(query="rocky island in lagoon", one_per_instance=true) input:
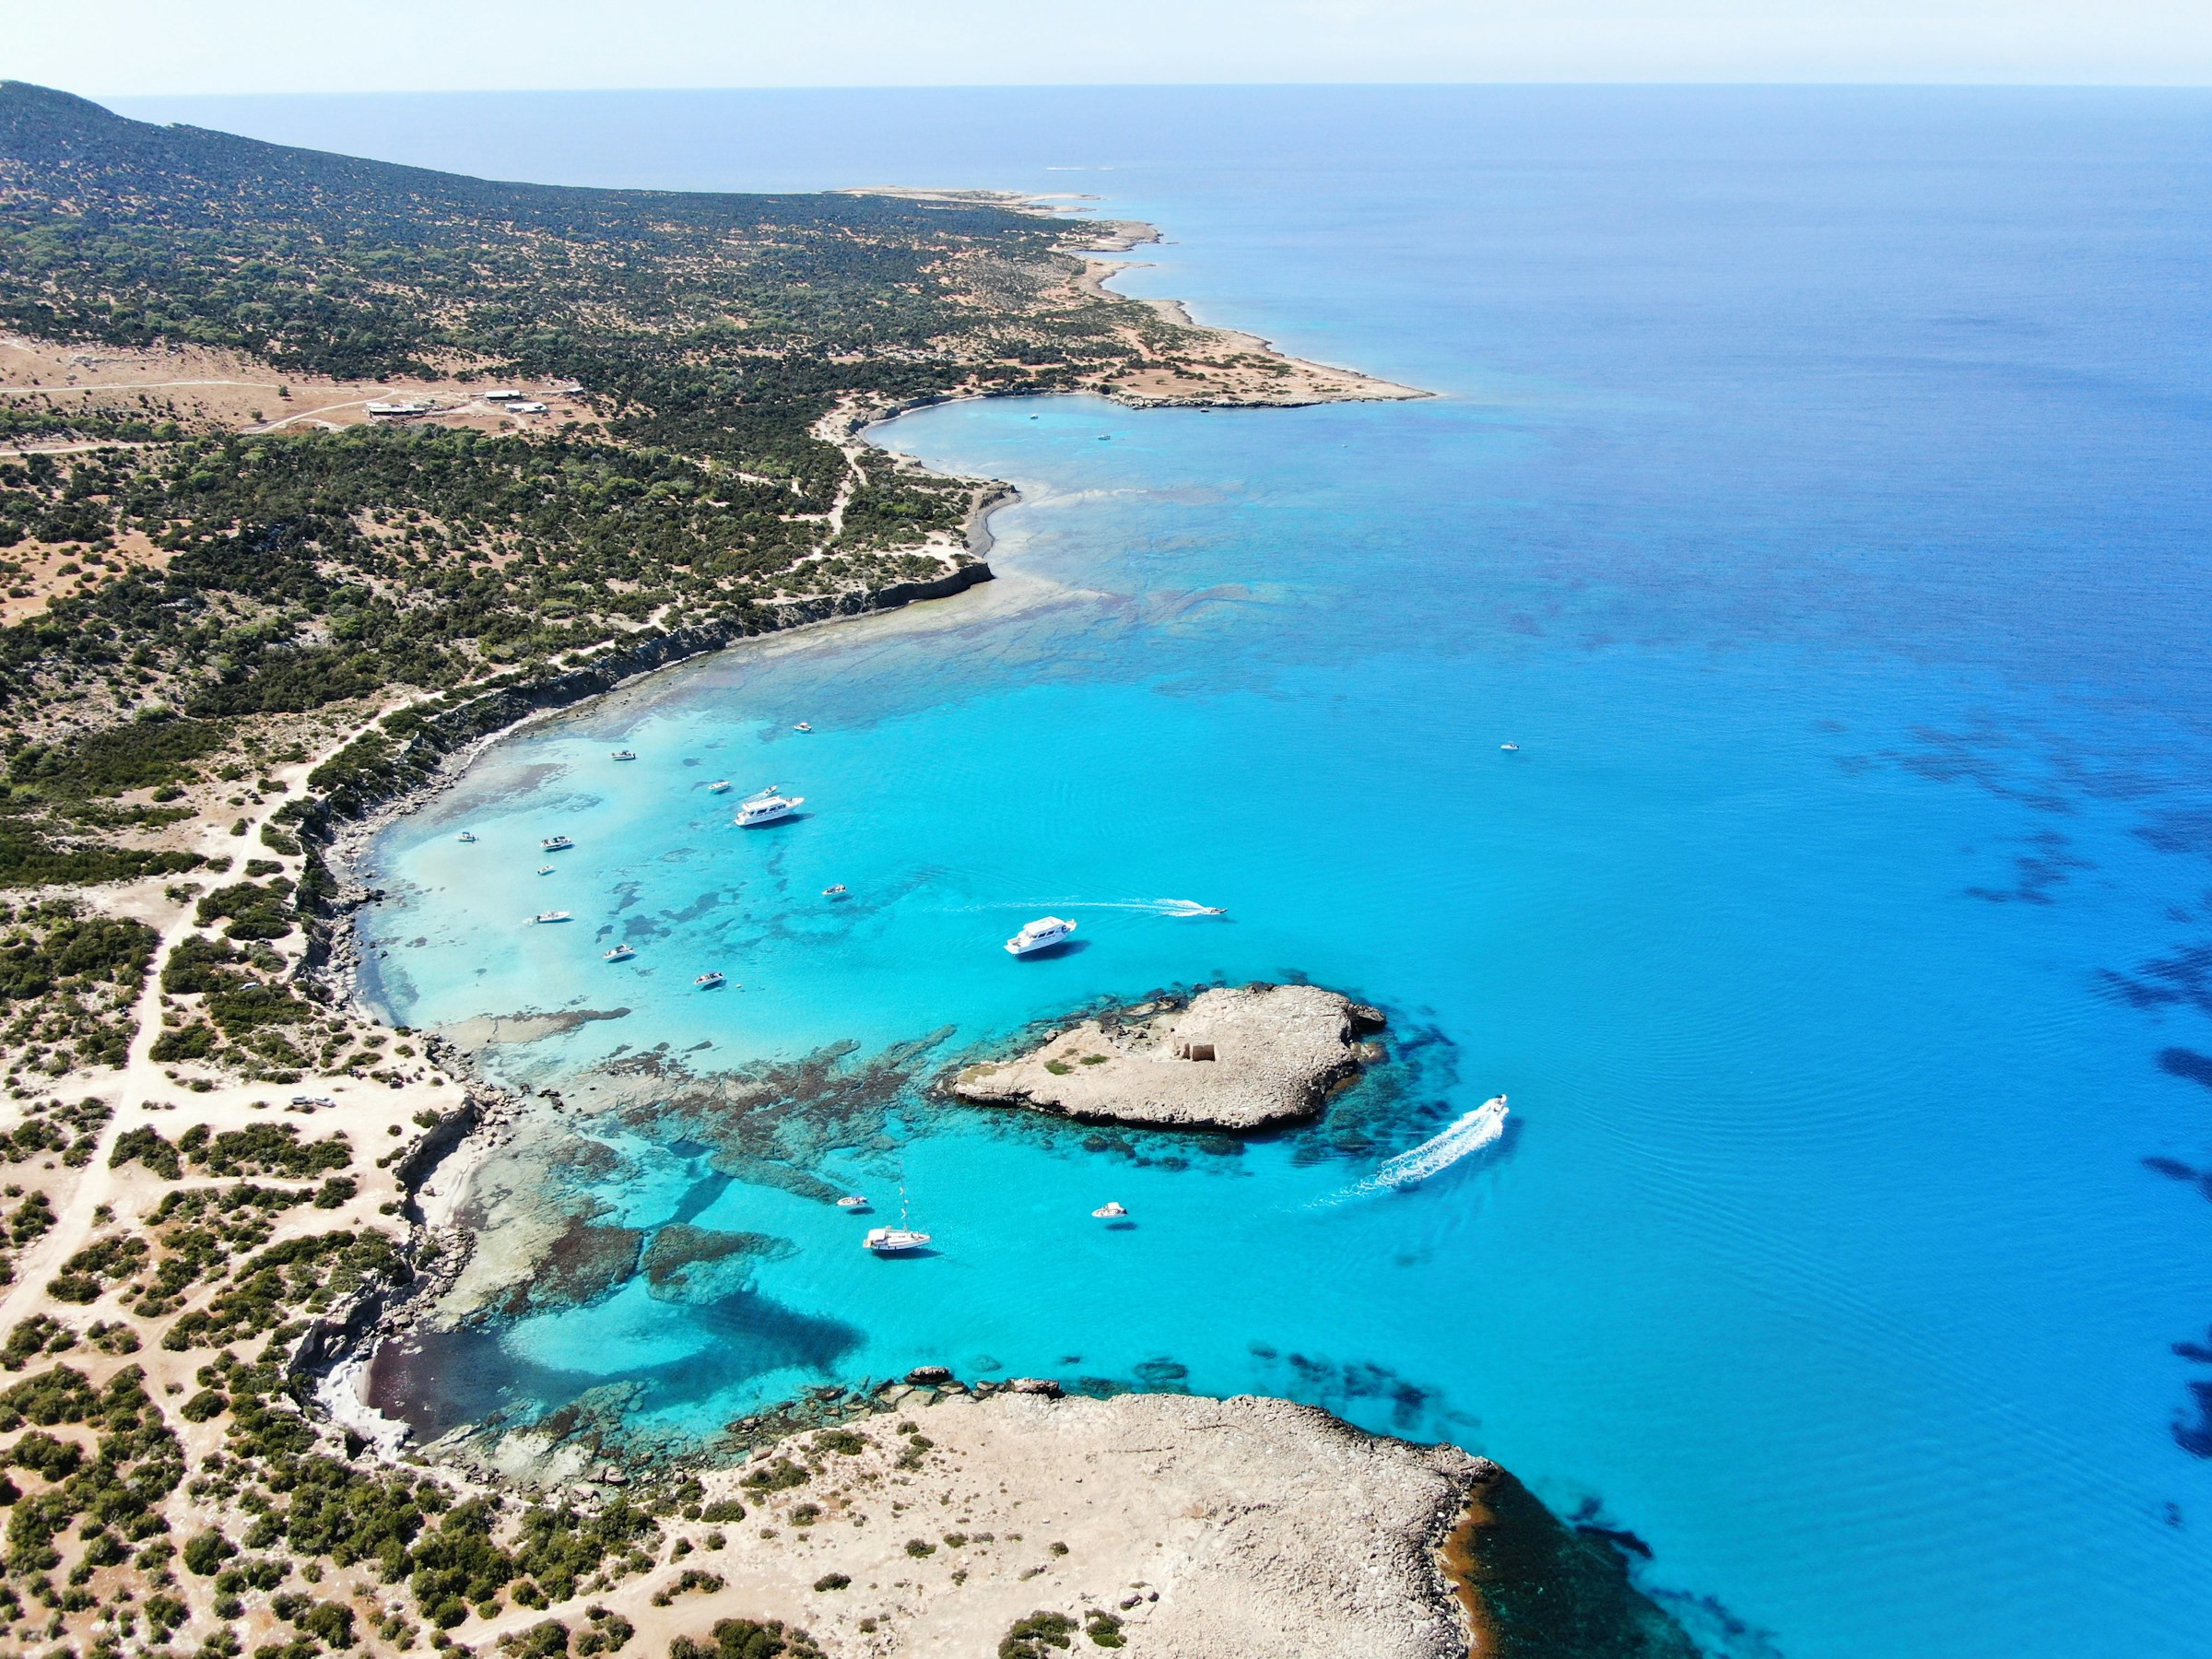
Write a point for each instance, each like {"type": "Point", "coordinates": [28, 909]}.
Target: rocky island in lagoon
{"type": "Point", "coordinates": [333, 555]}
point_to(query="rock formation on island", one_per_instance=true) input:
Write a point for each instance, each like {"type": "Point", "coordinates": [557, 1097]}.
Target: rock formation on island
{"type": "Point", "coordinates": [1230, 1058]}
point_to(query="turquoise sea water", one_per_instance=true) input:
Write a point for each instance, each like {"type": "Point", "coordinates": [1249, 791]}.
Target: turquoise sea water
{"type": "Point", "coordinates": [1817, 498]}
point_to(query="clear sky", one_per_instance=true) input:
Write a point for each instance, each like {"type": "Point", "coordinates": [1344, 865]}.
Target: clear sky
{"type": "Point", "coordinates": [121, 47]}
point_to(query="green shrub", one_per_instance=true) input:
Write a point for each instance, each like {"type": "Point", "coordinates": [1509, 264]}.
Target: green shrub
{"type": "Point", "coordinates": [742, 1639]}
{"type": "Point", "coordinates": [1029, 1638]}
{"type": "Point", "coordinates": [144, 1145]}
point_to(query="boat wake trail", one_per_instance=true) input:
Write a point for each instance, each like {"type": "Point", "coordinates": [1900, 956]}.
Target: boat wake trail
{"type": "Point", "coordinates": [1479, 1128]}
{"type": "Point", "coordinates": [1148, 907]}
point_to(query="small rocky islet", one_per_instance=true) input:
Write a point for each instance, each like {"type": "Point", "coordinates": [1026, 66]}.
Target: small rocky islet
{"type": "Point", "coordinates": [1235, 1058]}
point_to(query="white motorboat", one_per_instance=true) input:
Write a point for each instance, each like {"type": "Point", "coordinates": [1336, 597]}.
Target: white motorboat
{"type": "Point", "coordinates": [835, 892]}
{"type": "Point", "coordinates": [802, 727]}
{"type": "Point", "coordinates": [556, 843]}
{"type": "Point", "coordinates": [766, 807]}
{"type": "Point", "coordinates": [624, 755]}
{"type": "Point", "coordinates": [545, 869]}
{"type": "Point", "coordinates": [1511, 748]}
{"type": "Point", "coordinates": [1109, 1211]}
{"type": "Point", "coordinates": [718, 787]}
{"type": "Point", "coordinates": [893, 1241]}
{"type": "Point", "coordinates": [1040, 934]}
{"type": "Point", "coordinates": [621, 953]}
{"type": "Point", "coordinates": [467, 836]}
{"type": "Point", "coordinates": [707, 981]}
{"type": "Point", "coordinates": [852, 1200]}
{"type": "Point", "coordinates": [553, 916]}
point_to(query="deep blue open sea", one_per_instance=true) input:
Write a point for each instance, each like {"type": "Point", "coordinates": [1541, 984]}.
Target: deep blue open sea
{"type": "Point", "coordinates": [1818, 497]}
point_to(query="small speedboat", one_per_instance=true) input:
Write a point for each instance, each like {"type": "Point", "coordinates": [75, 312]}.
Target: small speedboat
{"type": "Point", "coordinates": [766, 807]}
{"type": "Point", "coordinates": [707, 981]}
{"type": "Point", "coordinates": [545, 869]}
{"type": "Point", "coordinates": [1109, 1211]}
{"type": "Point", "coordinates": [1511, 748]}
{"type": "Point", "coordinates": [466, 837]}
{"type": "Point", "coordinates": [835, 892]}
{"type": "Point", "coordinates": [1040, 934]}
{"type": "Point", "coordinates": [802, 727]}
{"type": "Point", "coordinates": [556, 843]}
{"type": "Point", "coordinates": [624, 755]}
{"type": "Point", "coordinates": [718, 787]}
{"type": "Point", "coordinates": [553, 916]}
{"type": "Point", "coordinates": [893, 1241]}
{"type": "Point", "coordinates": [852, 1200]}
{"type": "Point", "coordinates": [621, 953]}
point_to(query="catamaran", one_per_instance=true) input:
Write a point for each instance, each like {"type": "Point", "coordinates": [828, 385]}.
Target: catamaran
{"type": "Point", "coordinates": [1040, 934]}
{"type": "Point", "coordinates": [766, 807]}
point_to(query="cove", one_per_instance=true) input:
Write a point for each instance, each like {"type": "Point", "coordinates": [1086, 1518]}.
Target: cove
{"type": "Point", "coordinates": [1834, 926]}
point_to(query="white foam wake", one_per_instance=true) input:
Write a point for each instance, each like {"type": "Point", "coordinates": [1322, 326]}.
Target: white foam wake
{"type": "Point", "coordinates": [1479, 1128]}
{"type": "Point", "coordinates": [1149, 907]}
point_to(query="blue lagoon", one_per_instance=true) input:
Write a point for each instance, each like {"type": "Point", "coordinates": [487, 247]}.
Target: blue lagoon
{"type": "Point", "coordinates": [1756, 717]}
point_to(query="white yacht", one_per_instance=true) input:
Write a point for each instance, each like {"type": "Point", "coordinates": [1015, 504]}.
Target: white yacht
{"type": "Point", "coordinates": [1109, 1211]}
{"type": "Point", "coordinates": [1040, 934]}
{"type": "Point", "coordinates": [553, 916]}
{"type": "Point", "coordinates": [556, 843]}
{"type": "Point", "coordinates": [766, 807]}
{"type": "Point", "coordinates": [893, 1241]}
{"type": "Point", "coordinates": [621, 953]}
{"type": "Point", "coordinates": [707, 981]}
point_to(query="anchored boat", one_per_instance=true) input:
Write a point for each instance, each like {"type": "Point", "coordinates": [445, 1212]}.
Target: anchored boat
{"type": "Point", "coordinates": [466, 835]}
{"type": "Point", "coordinates": [1040, 934]}
{"type": "Point", "coordinates": [707, 981]}
{"type": "Point", "coordinates": [1109, 1211]}
{"type": "Point", "coordinates": [718, 787]}
{"type": "Point", "coordinates": [624, 755]}
{"type": "Point", "coordinates": [556, 843]}
{"type": "Point", "coordinates": [553, 916]}
{"type": "Point", "coordinates": [853, 1201]}
{"type": "Point", "coordinates": [766, 807]}
{"type": "Point", "coordinates": [893, 1241]}
{"type": "Point", "coordinates": [621, 953]}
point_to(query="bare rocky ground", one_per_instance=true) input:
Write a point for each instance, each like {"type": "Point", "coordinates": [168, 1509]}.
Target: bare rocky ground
{"type": "Point", "coordinates": [1244, 1057]}
{"type": "Point", "coordinates": [1192, 1528]}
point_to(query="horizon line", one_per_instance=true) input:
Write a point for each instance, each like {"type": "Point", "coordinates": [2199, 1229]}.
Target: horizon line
{"type": "Point", "coordinates": [1805, 84]}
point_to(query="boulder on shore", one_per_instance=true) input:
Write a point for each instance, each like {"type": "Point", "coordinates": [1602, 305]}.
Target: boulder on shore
{"type": "Point", "coordinates": [1234, 1058]}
